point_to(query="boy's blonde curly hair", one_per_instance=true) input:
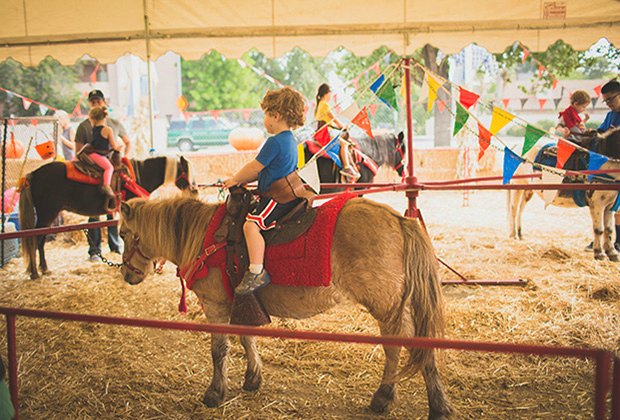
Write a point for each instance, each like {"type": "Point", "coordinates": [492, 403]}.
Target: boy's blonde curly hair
{"type": "Point", "coordinates": [288, 103]}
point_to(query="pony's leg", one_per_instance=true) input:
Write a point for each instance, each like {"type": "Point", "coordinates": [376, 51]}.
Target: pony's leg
{"type": "Point", "coordinates": [596, 213]}
{"type": "Point", "coordinates": [42, 262]}
{"type": "Point", "coordinates": [386, 394]}
{"type": "Point", "coordinates": [216, 393]}
{"type": "Point", "coordinates": [514, 198]}
{"type": "Point", "coordinates": [254, 369]}
{"type": "Point", "coordinates": [438, 404]}
{"type": "Point", "coordinates": [526, 196]}
{"type": "Point", "coordinates": [608, 245]}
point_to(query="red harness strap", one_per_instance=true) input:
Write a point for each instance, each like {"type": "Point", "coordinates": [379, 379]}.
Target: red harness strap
{"type": "Point", "coordinates": [133, 186]}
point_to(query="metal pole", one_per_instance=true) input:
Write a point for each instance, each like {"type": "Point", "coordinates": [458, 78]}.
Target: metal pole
{"type": "Point", "coordinates": [147, 39]}
{"type": "Point", "coordinates": [410, 179]}
{"type": "Point", "coordinates": [615, 396]}
{"type": "Point", "coordinates": [601, 385]}
{"type": "Point", "coordinates": [3, 188]}
{"type": "Point", "coordinates": [12, 354]}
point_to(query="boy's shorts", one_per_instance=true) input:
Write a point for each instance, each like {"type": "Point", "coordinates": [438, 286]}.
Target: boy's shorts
{"type": "Point", "coordinates": [268, 212]}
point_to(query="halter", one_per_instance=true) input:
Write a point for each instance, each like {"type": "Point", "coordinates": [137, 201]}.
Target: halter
{"type": "Point", "coordinates": [135, 249]}
{"type": "Point", "coordinates": [399, 150]}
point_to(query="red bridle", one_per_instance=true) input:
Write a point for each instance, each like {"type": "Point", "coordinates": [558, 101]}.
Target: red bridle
{"type": "Point", "coordinates": [135, 249]}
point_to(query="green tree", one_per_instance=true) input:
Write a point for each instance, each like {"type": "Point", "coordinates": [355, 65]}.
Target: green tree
{"type": "Point", "coordinates": [49, 82]}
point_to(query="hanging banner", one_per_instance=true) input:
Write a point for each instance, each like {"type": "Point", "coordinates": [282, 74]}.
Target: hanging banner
{"type": "Point", "coordinates": [565, 149]}
{"type": "Point", "coordinates": [460, 118]}
{"type": "Point", "coordinates": [532, 134]}
{"type": "Point", "coordinates": [499, 119]}
{"type": "Point", "coordinates": [595, 162]}
{"type": "Point", "coordinates": [216, 114]}
{"type": "Point", "coordinates": [377, 83]}
{"type": "Point", "coordinates": [484, 140]}
{"type": "Point", "coordinates": [387, 94]}
{"type": "Point", "coordinates": [433, 87]}
{"type": "Point", "coordinates": [467, 98]}
{"type": "Point", "coordinates": [441, 105]}
{"type": "Point", "coordinates": [351, 111]}
{"type": "Point", "coordinates": [541, 69]}
{"type": "Point", "coordinates": [310, 175]}
{"type": "Point", "coordinates": [525, 55]}
{"type": "Point", "coordinates": [26, 103]}
{"type": "Point", "coordinates": [43, 109]}
{"type": "Point", "coordinates": [246, 114]}
{"type": "Point", "coordinates": [506, 102]}
{"type": "Point", "coordinates": [556, 102]}
{"type": "Point", "coordinates": [523, 101]}
{"type": "Point", "coordinates": [373, 109]}
{"type": "Point", "coordinates": [541, 103]}
{"type": "Point", "coordinates": [511, 163]}
{"type": "Point", "coordinates": [597, 90]}
{"type": "Point", "coordinates": [363, 122]}
{"type": "Point", "coordinates": [550, 178]}
{"type": "Point", "coordinates": [423, 93]}
{"type": "Point", "coordinates": [555, 83]}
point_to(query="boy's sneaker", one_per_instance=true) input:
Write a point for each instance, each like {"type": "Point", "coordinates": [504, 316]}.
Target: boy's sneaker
{"type": "Point", "coordinates": [94, 258]}
{"type": "Point", "coordinates": [252, 282]}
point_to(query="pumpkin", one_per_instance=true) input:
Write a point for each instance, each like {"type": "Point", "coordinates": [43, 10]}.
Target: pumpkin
{"type": "Point", "coordinates": [14, 148]}
{"type": "Point", "coordinates": [246, 138]}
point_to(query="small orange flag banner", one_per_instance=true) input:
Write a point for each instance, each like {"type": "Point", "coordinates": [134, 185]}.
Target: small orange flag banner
{"type": "Point", "coordinates": [467, 98]}
{"type": "Point", "coordinates": [441, 105]}
{"type": "Point", "coordinates": [216, 114]}
{"type": "Point", "coordinates": [363, 122]}
{"type": "Point", "coordinates": [597, 90]}
{"type": "Point", "coordinates": [565, 149]}
{"type": "Point", "coordinates": [484, 140]}
{"type": "Point", "coordinates": [541, 103]}
{"type": "Point", "coordinates": [525, 54]}
{"type": "Point", "coordinates": [433, 87]}
{"type": "Point", "coordinates": [541, 69]}
{"type": "Point", "coordinates": [506, 102]}
{"type": "Point", "coordinates": [499, 119]}
{"type": "Point", "coordinates": [373, 109]}
{"type": "Point", "coordinates": [555, 83]}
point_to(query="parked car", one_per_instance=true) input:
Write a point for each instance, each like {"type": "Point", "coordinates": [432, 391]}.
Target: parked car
{"type": "Point", "coordinates": [198, 132]}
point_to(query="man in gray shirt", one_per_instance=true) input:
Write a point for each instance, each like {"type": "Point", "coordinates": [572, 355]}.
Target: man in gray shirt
{"type": "Point", "coordinates": [84, 135]}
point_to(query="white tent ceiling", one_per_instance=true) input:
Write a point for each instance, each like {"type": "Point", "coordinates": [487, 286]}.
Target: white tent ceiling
{"type": "Point", "coordinates": [30, 30]}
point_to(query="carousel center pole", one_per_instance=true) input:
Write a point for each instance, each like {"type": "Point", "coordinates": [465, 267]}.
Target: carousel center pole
{"type": "Point", "coordinates": [410, 180]}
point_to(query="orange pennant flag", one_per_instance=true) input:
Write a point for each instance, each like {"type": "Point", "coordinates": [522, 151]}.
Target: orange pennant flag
{"type": "Point", "coordinates": [373, 109]}
{"type": "Point", "coordinates": [506, 102]}
{"type": "Point", "coordinates": [484, 140]}
{"type": "Point", "coordinates": [541, 103]}
{"type": "Point", "coordinates": [363, 122]}
{"type": "Point", "coordinates": [565, 149]}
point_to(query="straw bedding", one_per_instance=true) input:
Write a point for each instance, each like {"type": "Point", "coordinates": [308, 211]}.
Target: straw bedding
{"type": "Point", "coordinates": [77, 370]}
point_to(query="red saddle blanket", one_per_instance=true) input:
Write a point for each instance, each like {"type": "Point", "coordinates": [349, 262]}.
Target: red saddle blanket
{"type": "Point", "coordinates": [305, 261]}
{"type": "Point", "coordinates": [74, 174]}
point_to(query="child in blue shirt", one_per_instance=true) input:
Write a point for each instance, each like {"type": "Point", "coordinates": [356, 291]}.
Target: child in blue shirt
{"type": "Point", "coordinates": [284, 111]}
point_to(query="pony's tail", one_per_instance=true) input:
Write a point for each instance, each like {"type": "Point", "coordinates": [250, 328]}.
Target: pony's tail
{"type": "Point", "coordinates": [26, 221]}
{"type": "Point", "coordinates": [422, 292]}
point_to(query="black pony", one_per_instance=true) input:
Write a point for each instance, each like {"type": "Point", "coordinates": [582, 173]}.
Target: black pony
{"type": "Point", "coordinates": [46, 191]}
{"type": "Point", "coordinates": [385, 149]}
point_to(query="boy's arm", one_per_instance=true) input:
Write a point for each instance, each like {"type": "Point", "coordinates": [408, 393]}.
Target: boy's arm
{"type": "Point", "coordinates": [246, 174]}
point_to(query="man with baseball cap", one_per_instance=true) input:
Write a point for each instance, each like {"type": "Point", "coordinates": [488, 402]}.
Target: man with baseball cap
{"type": "Point", "coordinates": [84, 135]}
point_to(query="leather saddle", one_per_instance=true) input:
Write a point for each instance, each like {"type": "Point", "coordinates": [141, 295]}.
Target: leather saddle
{"type": "Point", "coordinates": [86, 165]}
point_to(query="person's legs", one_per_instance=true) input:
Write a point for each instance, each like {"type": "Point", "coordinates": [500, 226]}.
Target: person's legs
{"type": "Point", "coordinates": [617, 243]}
{"type": "Point", "coordinates": [348, 169]}
{"type": "Point", "coordinates": [114, 241]}
{"type": "Point", "coordinates": [94, 238]}
{"type": "Point", "coordinates": [105, 164]}
{"type": "Point", "coordinates": [256, 277]}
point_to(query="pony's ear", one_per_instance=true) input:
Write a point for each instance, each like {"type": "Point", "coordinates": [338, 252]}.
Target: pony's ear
{"type": "Point", "coordinates": [184, 164]}
{"type": "Point", "coordinates": [125, 210]}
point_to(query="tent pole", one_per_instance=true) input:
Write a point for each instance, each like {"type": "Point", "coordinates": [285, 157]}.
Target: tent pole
{"type": "Point", "coordinates": [147, 39]}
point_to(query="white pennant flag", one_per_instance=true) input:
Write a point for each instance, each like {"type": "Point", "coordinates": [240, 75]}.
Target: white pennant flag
{"type": "Point", "coordinates": [26, 103]}
{"type": "Point", "coordinates": [423, 90]}
{"type": "Point", "coordinates": [351, 111]}
{"type": "Point", "coordinates": [43, 109]}
{"type": "Point", "coordinates": [550, 178]}
{"type": "Point", "coordinates": [310, 175]}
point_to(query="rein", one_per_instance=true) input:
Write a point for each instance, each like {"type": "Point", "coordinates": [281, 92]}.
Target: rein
{"type": "Point", "coordinates": [135, 249]}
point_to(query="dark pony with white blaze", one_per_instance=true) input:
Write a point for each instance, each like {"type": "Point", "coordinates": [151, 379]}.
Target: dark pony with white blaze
{"type": "Point", "coordinates": [385, 149]}
{"type": "Point", "coordinates": [379, 259]}
{"type": "Point", "coordinates": [46, 191]}
{"type": "Point", "coordinates": [600, 203]}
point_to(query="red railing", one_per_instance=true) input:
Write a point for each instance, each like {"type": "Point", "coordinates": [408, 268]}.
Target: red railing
{"type": "Point", "coordinates": [602, 359]}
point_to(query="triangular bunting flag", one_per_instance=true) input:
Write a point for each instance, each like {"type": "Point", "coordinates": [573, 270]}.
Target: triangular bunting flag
{"type": "Point", "coordinates": [356, 83]}
{"type": "Point", "coordinates": [377, 83]}
{"type": "Point", "coordinates": [333, 150]}
{"type": "Point", "coordinates": [594, 101]}
{"type": "Point", "coordinates": [310, 175]}
{"type": "Point", "coordinates": [34, 122]}
{"type": "Point", "coordinates": [541, 69]}
{"type": "Point", "coordinates": [301, 155]}
{"type": "Point", "coordinates": [403, 88]}
{"type": "Point", "coordinates": [484, 140]}
{"type": "Point", "coordinates": [362, 121]}
{"type": "Point", "coordinates": [526, 53]}
{"type": "Point", "coordinates": [541, 103]}
{"type": "Point", "coordinates": [506, 102]}
{"type": "Point", "coordinates": [460, 118]}
{"type": "Point", "coordinates": [388, 95]}
{"type": "Point", "coordinates": [373, 109]}
{"type": "Point", "coordinates": [186, 117]}
{"type": "Point", "coordinates": [9, 95]}
{"type": "Point", "coordinates": [26, 103]}
{"type": "Point", "coordinates": [376, 68]}
{"type": "Point", "coordinates": [216, 114]}
{"type": "Point", "coordinates": [246, 114]}
{"type": "Point", "coordinates": [500, 119]}
{"type": "Point", "coordinates": [523, 101]}
{"type": "Point", "coordinates": [550, 178]}
{"type": "Point", "coordinates": [555, 83]}
{"type": "Point", "coordinates": [441, 105]}
{"type": "Point", "coordinates": [43, 109]}
{"type": "Point", "coordinates": [565, 149]}
{"type": "Point", "coordinates": [532, 134]}
{"type": "Point", "coordinates": [351, 111]}
{"type": "Point", "coordinates": [597, 90]}
{"type": "Point", "coordinates": [467, 98]}
{"type": "Point", "coordinates": [556, 102]}
{"type": "Point", "coordinates": [423, 91]}
{"type": "Point", "coordinates": [595, 162]}
{"type": "Point", "coordinates": [511, 163]}
{"type": "Point", "coordinates": [433, 87]}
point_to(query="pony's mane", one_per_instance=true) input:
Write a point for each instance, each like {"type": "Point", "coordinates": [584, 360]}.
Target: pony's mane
{"type": "Point", "coordinates": [380, 148]}
{"type": "Point", "coordinates": [175, 226]}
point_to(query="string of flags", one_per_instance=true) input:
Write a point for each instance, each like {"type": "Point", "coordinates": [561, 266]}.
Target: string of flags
{"type": "Point", "coordinates": [499, 119]}
{"type": "Point", "coordinates": [27, 102]}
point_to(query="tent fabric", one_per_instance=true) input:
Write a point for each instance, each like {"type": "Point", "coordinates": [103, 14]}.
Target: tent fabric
{"type": "Point", "coordinates": [68, 29]}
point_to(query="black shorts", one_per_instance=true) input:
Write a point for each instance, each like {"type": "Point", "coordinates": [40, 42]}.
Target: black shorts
{"type": "Point", "coordinates": [268, 212]}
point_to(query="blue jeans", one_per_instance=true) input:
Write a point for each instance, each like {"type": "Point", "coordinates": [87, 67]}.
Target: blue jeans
{"type": "Point", "coordinates": [94, 238]}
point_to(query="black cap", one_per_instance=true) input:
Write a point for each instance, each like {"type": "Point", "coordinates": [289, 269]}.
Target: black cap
{"type": "Point", "coordinates": [95, 94]}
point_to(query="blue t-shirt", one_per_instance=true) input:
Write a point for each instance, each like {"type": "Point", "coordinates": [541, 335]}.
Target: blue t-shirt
{"type": "Point", "coordinates": [279, 158]}
{"type": "Point", "coordinates": [612, 119]}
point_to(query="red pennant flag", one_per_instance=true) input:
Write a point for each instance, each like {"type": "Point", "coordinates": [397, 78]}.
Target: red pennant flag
{"type": "Point", "coordinates": [506, 102]}
{"type": "Point", "coordinates": [484, 140]}
{"type": "Point", "coordinates": [246, 113]}
{"type": "Point", "coordinates": [526, 53]}
{"type": "Point", "coordinates": [541, 69]}
{"type": "Point", "coordinates": [375, 67]}
{"type": "Point", "coordinates": [26, 103]}
{"type": "Point", "coordinates": [337, 109]}
{"type": "Point", "coordinates": [355, 82]}
{"type": "Point", "coordinates": [597, 90]}
{"type": "Point", "coordinates": [373, 109]}
{"type": "Point", "coordinates": [77, 109]}
{"type": "Point", "coordinates": [467, 98]}
{"type": "Point", "coordinates": [541, 103]}
{"type": "Point", "coordinates": [93, 75]}
{"type": "Point", "coordinates": [34, 122]}
{"type": "Point", "coordinates": [565, 149]}
{"type": "Point", "coordinates": [216, 114]}
{"type": "Point", "coordinates": [441, 105]}
{"type": "Point", "coordinates": [363, 122]}
{"type": "Point", "coordinates": [12, 123]}
{"type": "Point", "coordinates": [186, 116]}
{"type": "Point", "coordinates": [555, 83]}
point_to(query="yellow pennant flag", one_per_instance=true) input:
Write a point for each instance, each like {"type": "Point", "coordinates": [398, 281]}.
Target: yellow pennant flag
{"type": "Point", "coordinates": [500, 118]}
{"type": "Point", "coordinates": [403, 88]}
{"type": "Point", "coordinates": [301, 157]}
{"type": "Point", "coordinates": [433, 87]}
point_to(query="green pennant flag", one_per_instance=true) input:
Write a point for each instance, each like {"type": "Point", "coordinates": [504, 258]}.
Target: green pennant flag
{"type": "Point", "coordinates": [460, 118]}
{"type": "Point", "coordinates": [388, 95]}
{"type": "Point", "coordinates": [532, 134]}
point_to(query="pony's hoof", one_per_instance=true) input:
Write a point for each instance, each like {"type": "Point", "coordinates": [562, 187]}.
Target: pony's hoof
{"type": "Point", "coordinates": [439, 416]}
{"type": "Point", "coordinates": [599, 256]}
{"type": "Point", "coordinates": [34, 276]}
{"type": "Point", "coordinates": [614, 258]}
{"type": "Point", "coordinates": [252, 382]}
{"type": "Point", "coordinates": [213, 398]}
{"type": "Point", "coordinates": [383, 398]}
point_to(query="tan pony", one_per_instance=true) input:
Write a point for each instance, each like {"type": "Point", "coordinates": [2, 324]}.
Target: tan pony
{"type": "Point", "coordinates": [600, 202]}
{"type": "Point", "coordinates": [378, 258]}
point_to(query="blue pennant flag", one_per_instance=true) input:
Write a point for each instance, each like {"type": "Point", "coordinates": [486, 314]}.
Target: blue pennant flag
{"type": "Point", "coordinates": [333, 150]}
{"type": "Point", "coordinates": [511, 163]}
{"type": "Point", "coordinates": [596, 161]}
{"type": "Point", "coordinates": [377, 83]}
